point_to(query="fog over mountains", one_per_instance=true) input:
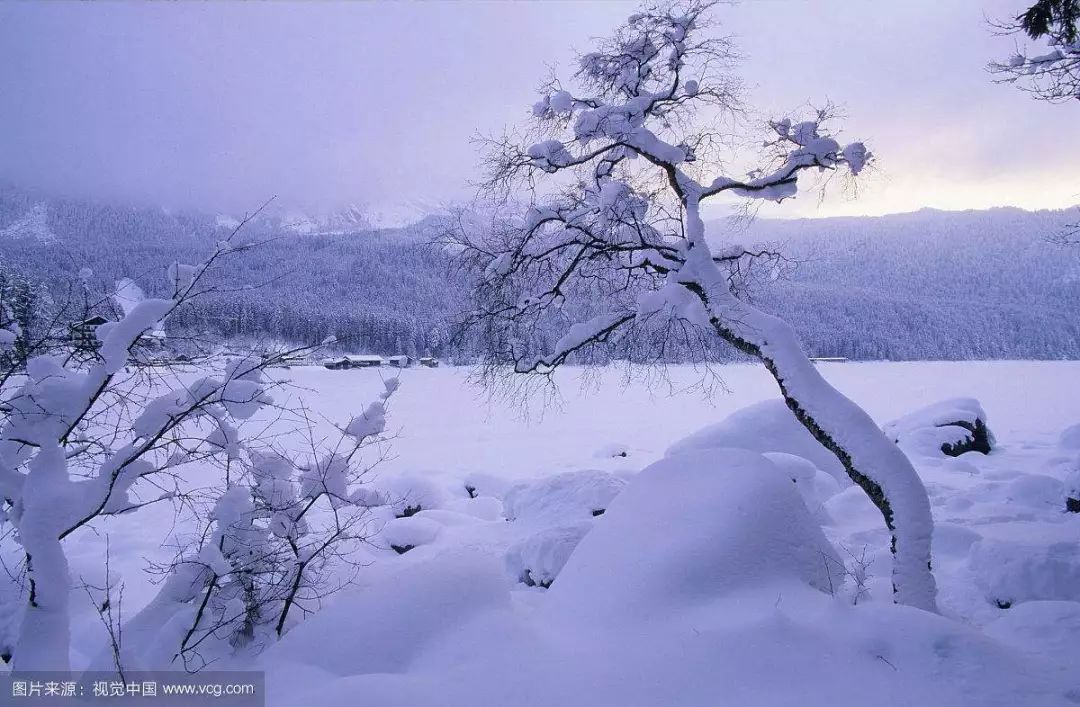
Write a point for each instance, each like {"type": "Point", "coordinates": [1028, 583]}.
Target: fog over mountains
{"type": "Point", "coordinates": [922, 285]}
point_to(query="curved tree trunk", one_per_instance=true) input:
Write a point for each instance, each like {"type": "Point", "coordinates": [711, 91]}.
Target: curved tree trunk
{"type": "Point", "coordinates": [841, 426]}
{"type": "Point", "coordinates": [867, 455]}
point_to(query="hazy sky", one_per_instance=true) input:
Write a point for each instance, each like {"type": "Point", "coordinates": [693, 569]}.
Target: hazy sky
{"type": "Point", "coordinates": [219, 105]}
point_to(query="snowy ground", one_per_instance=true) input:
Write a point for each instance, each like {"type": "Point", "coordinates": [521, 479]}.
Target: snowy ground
{"type": "Point", "coordinates": [688, 591]}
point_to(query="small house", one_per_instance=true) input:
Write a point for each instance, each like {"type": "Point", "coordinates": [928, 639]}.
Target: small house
{"type": "Point", "coordinates": [364, 361]}
{"type": "Point", "coordinates": [84, 333]}
{"type": "Point", "coordinates": [336, 364]}
{"type": "Point", "coordinates": [429, 362]}
{"type": "Point", "coordinates": [828, 359]}
{"type": "Point", "coordinates": [399, 361]}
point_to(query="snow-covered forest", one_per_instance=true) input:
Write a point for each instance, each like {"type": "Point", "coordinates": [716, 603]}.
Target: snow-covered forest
{"type": "Point", "coordinates": [928, 285]}
{"type": "Point", "coordinates": [328, 379]}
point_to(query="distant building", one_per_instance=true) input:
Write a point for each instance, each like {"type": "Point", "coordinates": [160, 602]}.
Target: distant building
{"type": "Point", "coordinates": [399, 361]}
{"type": "Point", "coordinates": [84, 333]}
{"type": "Point", "coordinates": [429, 362]}
{"type": "Point", "coordinates": [364, 361]}
{"type": "Point", "coordinates": [345, 362]}
{"type": "Point", "coordinates": [336, 364]}
{"type": "Point", "coordinates": [828, 359]}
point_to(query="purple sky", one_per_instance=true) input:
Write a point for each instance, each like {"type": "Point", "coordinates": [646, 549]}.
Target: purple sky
{"type": "Point", "coordinates": [219, 105]}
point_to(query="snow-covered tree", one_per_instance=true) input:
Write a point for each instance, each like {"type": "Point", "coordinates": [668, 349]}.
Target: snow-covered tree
{"type": "Point", "coordinates": [617, 167]}
{"type": "Point", "coordinates": [83, 440]}
{"type": "Point", "coordinates": [1053, 75]}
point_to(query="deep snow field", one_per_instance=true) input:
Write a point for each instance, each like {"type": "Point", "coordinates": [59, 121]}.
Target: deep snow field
{"type": "Point", "coordinates": [708, 579]}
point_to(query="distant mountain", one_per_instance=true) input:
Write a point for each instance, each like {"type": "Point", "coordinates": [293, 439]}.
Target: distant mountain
{"type": "Point", "coordinates": [927, 284]}
{"type": "Point", "coordinates": [923, 285]}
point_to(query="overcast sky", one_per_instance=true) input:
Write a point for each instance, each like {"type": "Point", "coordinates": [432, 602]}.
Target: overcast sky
{"type": "Point", "coordinates": [219, 105]}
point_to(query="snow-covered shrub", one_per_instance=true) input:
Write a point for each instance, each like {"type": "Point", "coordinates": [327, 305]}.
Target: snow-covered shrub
{"type": "Point", "coordinates": [83, 439]}
{"type": "Point", "coordinates": [950, 427]}
{"type": "Point", "coordinates": [538, 559]}
{"type": "Point", "coordinates": [563, 498]}
{"type": "Point", "coordinates": [276, 541]}
{"type": "Point", "coordinates": [767, 426]}
{"type": "Point", "coordinates": [1013, 572]}
{"type": "Point", "coordinates": [692, 528]}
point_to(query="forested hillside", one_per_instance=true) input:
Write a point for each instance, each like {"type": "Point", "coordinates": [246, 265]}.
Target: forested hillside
{"type": "Point", "coordinates": [925, 285]}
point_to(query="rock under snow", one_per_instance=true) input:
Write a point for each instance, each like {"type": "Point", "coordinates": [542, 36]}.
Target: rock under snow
{"type": "Point", "coordinates": [768, 426]}
{"type": "Point", "coordinates": [404, 534]}
{"type": "Point", "coordinates": [410, 493]}
{"type": "Point", "coordinates": [950, 427]}
{"type": "Point", "coordinates": [538, 559]}
{"type": "Point", "coordinates": [564, 498]}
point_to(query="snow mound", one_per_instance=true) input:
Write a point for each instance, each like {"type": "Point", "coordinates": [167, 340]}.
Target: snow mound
{"type": "Point", "coordinates": [404, 534]}
{"type": "Point", "coordinates": [1035, 490]}
{"type": "Point", "coordinates": [612, 449]}
{"type": "Point", "coordinates": [478, 483]}
{"type": "Point", "coordinates": [410, 493]}
{"type": "Point", "coordinates": [768, 426]}
{"type": "Point", "coordinates": [538, 559]}
{"type": "Point", "coordinates": [1045, 630]}
{"type": "Point", "coordinates": [382, 628]}
{"type": "Point", "coordinates": [815, 486]}
{"type": "Point", "coordinates": [480, 507]}
{"type": "Point", "coordinates": [950, 427]}
{"type": "Point", "coordinates": [1012, 572]}
{"type": "Point", "coordinates": [692, 527]}
{"type": "Point", "coordinates": [1070, 438]}
{"type": "Point", "coordinates": [563, 498]}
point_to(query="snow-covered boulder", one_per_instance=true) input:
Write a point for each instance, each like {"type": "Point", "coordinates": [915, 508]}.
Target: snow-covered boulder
{"type": "Point", "coordinates": [768, 426]}
{"type": "Point", "coordinates": [1013, 572]}
{"type": "Point", "coordinates": [538, 559]}
{"type": "Point", "coordinates": [950, 427]}
{"type": "Point", "coordinates": [691, 528]}
{"type": "Point", "coordinates": [1072, 491]}
{"type": "Point", "coordinates": [563, 498]}
{"type": "Point", "coordinates": [411, 493]}
{"type": "Point", "coordinates": [1046, 630]}
{"type": "Point", "coordinates": [404, 534]}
